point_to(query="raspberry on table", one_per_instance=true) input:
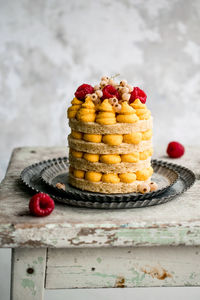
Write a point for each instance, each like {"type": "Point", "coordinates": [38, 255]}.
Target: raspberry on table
{"type": "Point", "coordinates": [137, 93]}
{"type": "Point", "coordinates": [175, 149]}
{"type": "Point", "coordinates": [83, 90]}
{"type": "Point", "coordinates": [41, 205]}
{"type": "Point", "coordinates": [110, 91]}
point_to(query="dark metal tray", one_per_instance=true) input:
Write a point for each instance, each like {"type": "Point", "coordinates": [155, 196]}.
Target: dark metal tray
{"type": "Point", "coordinates": [164, 176]}
{"type": "Point", "coordinates": [31, 177]}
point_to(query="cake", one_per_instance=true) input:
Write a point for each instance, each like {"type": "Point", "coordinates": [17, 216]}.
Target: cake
{"type": "Point", "coordinates": [110, 144]}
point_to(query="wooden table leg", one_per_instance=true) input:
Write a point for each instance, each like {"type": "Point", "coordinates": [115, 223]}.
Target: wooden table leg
{"type": "Point", "coordinates": [28, 273]}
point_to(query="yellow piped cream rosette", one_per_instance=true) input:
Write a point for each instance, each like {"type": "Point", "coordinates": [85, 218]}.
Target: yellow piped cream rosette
{"type": "Point", "coordinates": [141, 110]}
{"type": "Point", "coordinates": [110, 143]}
{"type": "Point", "coordinates": [86, 113]}
{"type": "Point", "coordinates": [127, 114]}
{"type": "Point", "coordinates": [106, 114]}
{"type": "Point", "coordinates": [72, 110]}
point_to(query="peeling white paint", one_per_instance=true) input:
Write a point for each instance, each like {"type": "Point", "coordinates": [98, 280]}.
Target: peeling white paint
{"type": "Point", "coordinates": [122, 267]}
{"type": "Point", "coordinates": [175, 223]}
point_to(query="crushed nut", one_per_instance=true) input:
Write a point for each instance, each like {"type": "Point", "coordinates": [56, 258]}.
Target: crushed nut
{"type": "Point", "coordinates": [60, 186]}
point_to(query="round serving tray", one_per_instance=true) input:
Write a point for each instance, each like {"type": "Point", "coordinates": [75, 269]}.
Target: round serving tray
{"type": "Point", "coordinates": [164, 176]}
{"type": "Point", "coordinates": [31, 177]}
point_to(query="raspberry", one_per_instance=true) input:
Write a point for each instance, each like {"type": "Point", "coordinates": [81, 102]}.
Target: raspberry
{"type": "Point", "coordinates": [110, 91]}
{"type": "Point", "coordinates": [41, 205]}
{"type": "Point", "coordinates": [175, 150]}
{"type": "Point", "coordinates": [137, 93]}
{"type": "Point", "coordinates": [83, 90]}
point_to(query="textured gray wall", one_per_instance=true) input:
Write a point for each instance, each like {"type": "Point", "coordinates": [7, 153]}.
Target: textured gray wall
{"type": "Point", "coordinates": [48, 48]}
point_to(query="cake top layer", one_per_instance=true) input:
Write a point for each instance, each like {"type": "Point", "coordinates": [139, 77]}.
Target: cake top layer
{"type": "Point", "coordinates": [108, 88]}
{"type": "Point", "coordinates": [109, 102]}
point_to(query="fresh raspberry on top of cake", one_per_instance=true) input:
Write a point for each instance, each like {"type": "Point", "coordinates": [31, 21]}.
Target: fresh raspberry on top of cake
{"type": "Point", "coordinates": [137, 93]}
{"type": "Point", "coordinates": [83, 90]}
{"type": "Point", "coordinates": [109, 91]}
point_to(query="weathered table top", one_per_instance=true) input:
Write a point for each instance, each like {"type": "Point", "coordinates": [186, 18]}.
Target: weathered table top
{"type": "Point", "coordinates": [174, 223]}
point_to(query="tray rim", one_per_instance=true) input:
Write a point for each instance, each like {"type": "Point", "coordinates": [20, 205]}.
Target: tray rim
{"type": "Point", "coordinates": [116, 205]}
{"type": "Point", "coordinates": [135, 196]}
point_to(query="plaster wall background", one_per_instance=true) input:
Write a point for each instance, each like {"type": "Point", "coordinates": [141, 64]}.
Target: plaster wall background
{"type": "Point", "coordinates": [48, 48]}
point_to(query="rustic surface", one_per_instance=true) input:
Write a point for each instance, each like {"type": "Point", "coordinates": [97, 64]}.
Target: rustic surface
{"type": "Point", "coordinates": [174, 223]}
{"type": "Point", "coordinates": [123, 267]}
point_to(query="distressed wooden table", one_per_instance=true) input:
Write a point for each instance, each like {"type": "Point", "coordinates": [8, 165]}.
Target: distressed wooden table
{"type": "Point", "coordinates": [85, 248]}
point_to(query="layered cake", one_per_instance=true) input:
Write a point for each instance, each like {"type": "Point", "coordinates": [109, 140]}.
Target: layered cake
{"type": "Point", "coordinates": [111, 139]}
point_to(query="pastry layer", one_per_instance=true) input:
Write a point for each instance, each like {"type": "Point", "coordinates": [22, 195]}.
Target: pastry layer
{"type": "Point", "coordinates": [119, 128]}
{"type": "Point", "coordinates": [102, 187]}
{"type": "Point", "coordinates": [101, 148]}
{"type": "Point", "coordinates": [123, 167]}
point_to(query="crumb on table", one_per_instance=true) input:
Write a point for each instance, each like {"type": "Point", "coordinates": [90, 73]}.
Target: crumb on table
{"type": "Point", "coordinates": [60, 186]}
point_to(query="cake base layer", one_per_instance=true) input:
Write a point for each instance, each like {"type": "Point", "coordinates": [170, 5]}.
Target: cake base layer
{"type": "Point", "coordinates": [118, 128]}
{"type": "Point", "coordinates": [89, 147]}
{"type": "Point", "coordinates": [105, 188]}
{"type": "Point", "coordinates": [123, 167]}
